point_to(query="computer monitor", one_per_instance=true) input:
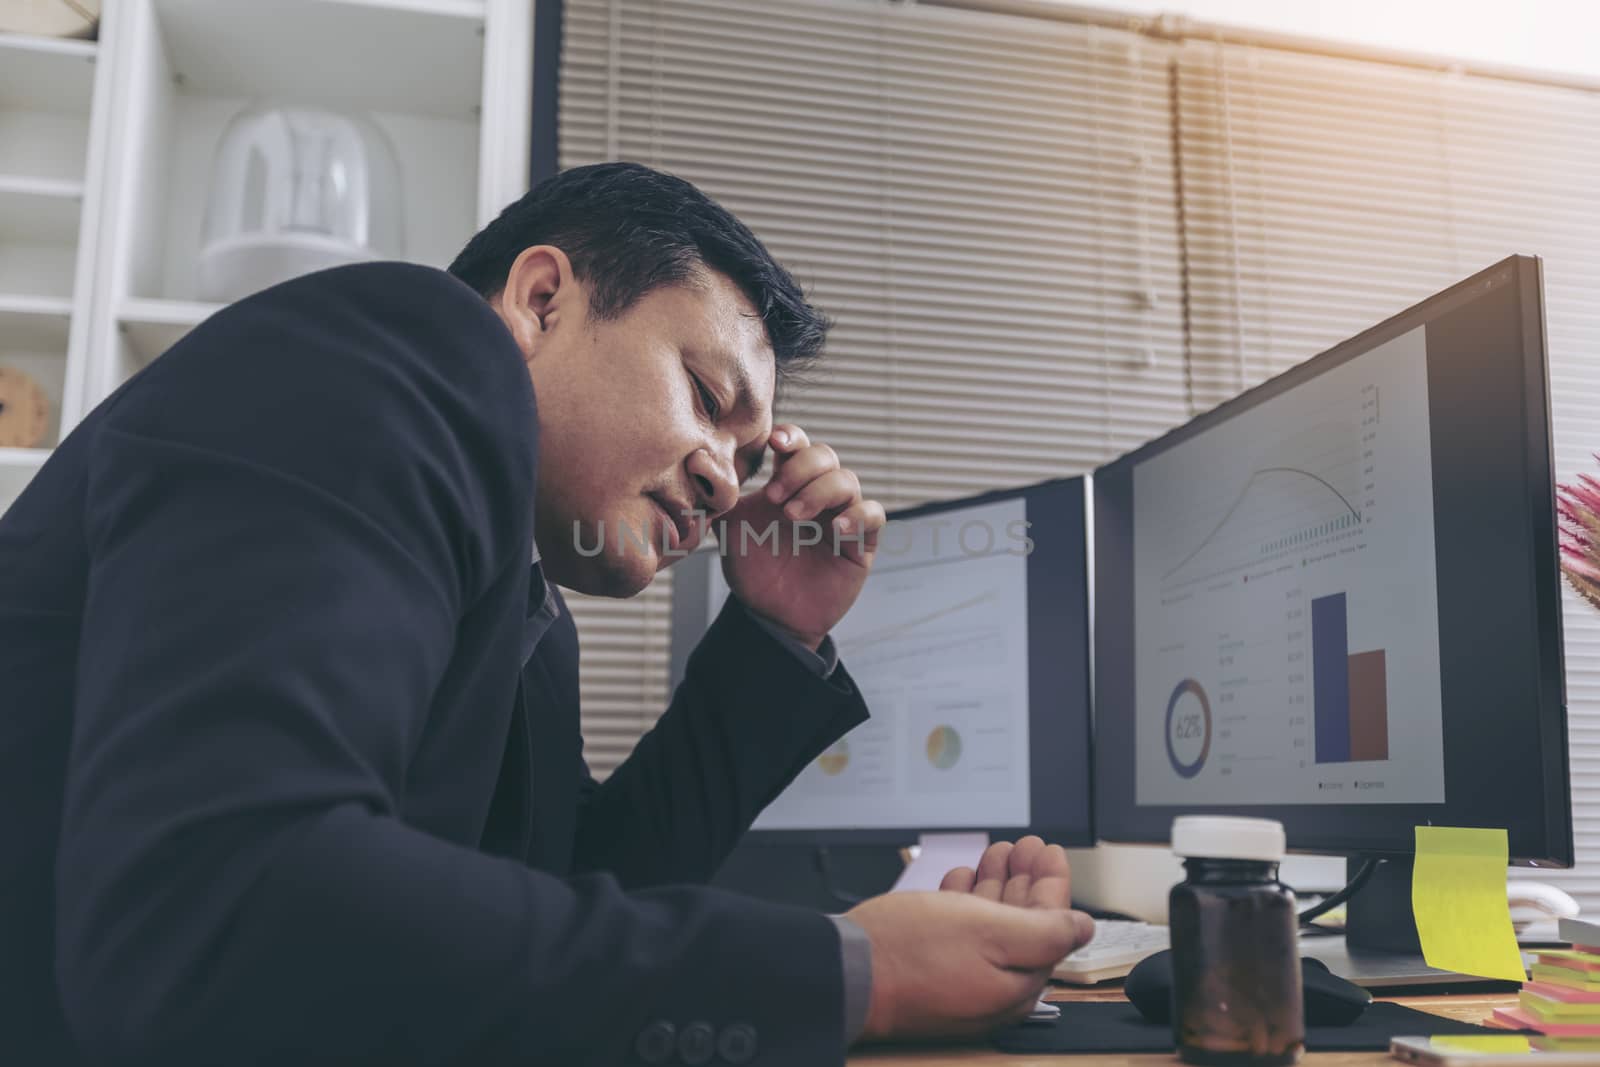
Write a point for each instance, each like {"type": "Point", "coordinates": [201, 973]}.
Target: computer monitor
{"type": "Point", "coordinates": [1334, 600]}
{"type": "Point", "coordinates": [970, 644]}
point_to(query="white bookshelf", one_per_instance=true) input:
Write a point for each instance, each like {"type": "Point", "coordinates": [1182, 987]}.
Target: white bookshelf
{"type": "Point", "coordinates": [43, 213]}
{"type": "Point", "coordinates": [47, 127]}
{"type": "Point", "coordinates": [17, 466]}
{"type": "Point", "coordinates": [150, 327]}
{"type": "Point", "coordinates": [46, 96]}
{"type": "Point", "coordinates": [104, 178]}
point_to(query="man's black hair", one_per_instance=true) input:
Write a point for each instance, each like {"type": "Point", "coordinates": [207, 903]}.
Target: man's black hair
{"type": "Point", "coordinates": [629, 230]}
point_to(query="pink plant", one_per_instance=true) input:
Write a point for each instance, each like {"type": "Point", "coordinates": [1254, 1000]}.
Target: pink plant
{"type": "Point", "coordinates": [1578, 506]}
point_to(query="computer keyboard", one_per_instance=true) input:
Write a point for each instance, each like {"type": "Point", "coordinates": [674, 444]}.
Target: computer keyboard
{"type": "Point", "coordinates": [1118, 945]}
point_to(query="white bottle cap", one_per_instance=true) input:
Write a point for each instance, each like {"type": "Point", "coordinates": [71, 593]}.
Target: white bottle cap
{"type": "Point", "coordinates": [1228, 837]}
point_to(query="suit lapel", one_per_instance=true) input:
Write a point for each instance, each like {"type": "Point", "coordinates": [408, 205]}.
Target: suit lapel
{"type": "Point", "coordinates": [510, 823]}
{"type": "Point", "coordinates": [534, 814]}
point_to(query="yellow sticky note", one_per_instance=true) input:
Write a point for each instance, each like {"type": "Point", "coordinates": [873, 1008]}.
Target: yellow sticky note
{"type": "Point", "coordinates": [1482, 1042]}
{"type": "Point", "coordinates": [1458, 895]}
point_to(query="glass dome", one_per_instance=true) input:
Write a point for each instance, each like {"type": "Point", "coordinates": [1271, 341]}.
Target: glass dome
{"type": "Point", "coordinates": [294, 190]}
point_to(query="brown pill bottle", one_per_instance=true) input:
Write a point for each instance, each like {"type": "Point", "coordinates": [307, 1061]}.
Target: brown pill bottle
{"type": "Point", "coordinates": [1236, 990]}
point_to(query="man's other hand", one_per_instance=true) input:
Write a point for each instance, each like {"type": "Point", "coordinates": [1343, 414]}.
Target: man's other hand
{"type": "Point", "coordinates": [953, 964]}
{"type": "Point", "coordinates": [1029, 874]}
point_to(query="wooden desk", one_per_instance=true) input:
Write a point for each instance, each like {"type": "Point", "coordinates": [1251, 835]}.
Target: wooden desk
{"type": "Point", "coordinates": [1466, 1007]}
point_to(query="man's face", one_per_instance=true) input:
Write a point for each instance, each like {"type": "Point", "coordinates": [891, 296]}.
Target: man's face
{"type": "Point", "coordinates": [663, 410]}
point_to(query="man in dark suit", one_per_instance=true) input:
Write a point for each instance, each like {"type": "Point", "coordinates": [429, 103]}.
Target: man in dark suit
{"type": "Point", "coordinates": [289, 750]}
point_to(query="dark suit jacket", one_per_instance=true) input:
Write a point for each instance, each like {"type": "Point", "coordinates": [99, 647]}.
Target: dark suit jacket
{"type": "Point", "coordinates": [275, 784]}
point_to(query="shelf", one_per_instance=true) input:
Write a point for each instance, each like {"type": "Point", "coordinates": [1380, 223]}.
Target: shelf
{"type": "Point", "coordinates": [153, 326]}
{"type": "Point", "coordinates": [25, 459]}
{"type": "Point", "coordinates": [39, 210]}
{"type": "Point", "coordinates": [63, 47]}
{"type": "Point", "coordinates": [46, 74]}
{"type": "Point", "coordinates": [34, 323]}
{"type": "Point", "coordinates": [17, 468]}
{"type": "Point", "coordinates": [304, 51]}
{"type": "Point", "coordinates": [470, 9]}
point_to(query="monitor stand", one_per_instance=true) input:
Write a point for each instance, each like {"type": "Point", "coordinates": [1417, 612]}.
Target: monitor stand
{"type": "Point", "coordinates": [1380, 947]}
{"type": "Point", "coordinates": [935, 855]}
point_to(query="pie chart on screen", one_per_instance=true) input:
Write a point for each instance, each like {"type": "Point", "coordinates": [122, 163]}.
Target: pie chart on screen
{"type": "Point", "coordinates": [944, 747]}
{"type": "Point", "coordinates": [835, 759]}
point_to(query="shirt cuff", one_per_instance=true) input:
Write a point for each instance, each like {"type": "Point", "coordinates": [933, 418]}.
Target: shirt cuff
{"type": "Point", "coordinates": [822, 662]}
{"type": "Point", "coordinates": [855, 950]}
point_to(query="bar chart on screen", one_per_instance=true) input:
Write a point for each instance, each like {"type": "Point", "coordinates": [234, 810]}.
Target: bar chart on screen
{"type": "Point", "coordinates": [1349, 690]}
{"type": "Point", "coordinates": [1279, 623]}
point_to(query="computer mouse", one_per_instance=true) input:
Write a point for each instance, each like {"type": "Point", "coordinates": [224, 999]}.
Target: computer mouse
{"type": "Point", "coordinates": [1532, 902]}
{"type": "Point", "coordinates": [1330, 1000]}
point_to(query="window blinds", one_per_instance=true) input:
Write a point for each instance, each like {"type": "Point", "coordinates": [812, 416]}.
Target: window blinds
{"type": "Point", "coordinates": [1322, 195]}
{"type": "Point", "coordinates": [985, 204]}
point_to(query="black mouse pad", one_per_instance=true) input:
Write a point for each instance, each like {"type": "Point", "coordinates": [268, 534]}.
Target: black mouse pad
{"type": "Point", "coordinates": [1117, 1026]}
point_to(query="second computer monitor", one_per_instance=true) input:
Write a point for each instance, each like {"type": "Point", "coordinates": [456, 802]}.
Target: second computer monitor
{"type": "Point", "coordinates": [1334, 599]}
{"type": "Point", "coordinates": [969, 643]}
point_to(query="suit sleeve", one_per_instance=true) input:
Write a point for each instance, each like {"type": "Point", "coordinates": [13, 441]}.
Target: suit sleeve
{"type": "Point", "coordinates": [747, 718]}
{"type": "Point", "coordinates": [267, 616]}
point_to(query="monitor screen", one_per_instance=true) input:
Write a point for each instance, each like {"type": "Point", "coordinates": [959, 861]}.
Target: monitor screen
{"type": "Point", "coordinates": [1334, 600]}
{"type": "Point", "coordinates": [969, 643]}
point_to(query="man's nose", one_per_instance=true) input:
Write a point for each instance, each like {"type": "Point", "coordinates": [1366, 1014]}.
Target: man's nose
{"type": "Point", "coordinates": [715, 486]}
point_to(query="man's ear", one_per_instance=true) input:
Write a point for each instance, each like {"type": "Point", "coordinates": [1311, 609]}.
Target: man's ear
{"type": "Point", "coordinates": [539, 288]}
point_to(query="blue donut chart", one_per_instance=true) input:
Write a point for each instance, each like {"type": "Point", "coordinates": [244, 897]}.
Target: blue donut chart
{"type": "Point", "coordinates": [1188, 770]}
